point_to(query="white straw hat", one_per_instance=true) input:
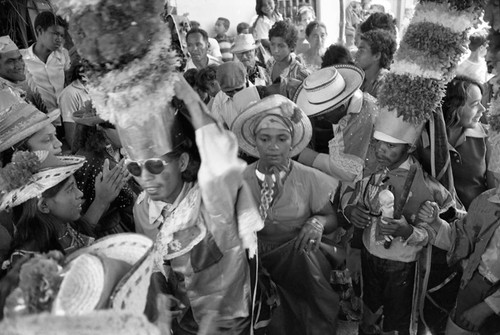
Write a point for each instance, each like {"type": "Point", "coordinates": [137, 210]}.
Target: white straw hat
{"type": "Point", "coordinates": [326, 89]}
{"type": "Point", "coordinates": [243, 43]}
{"type": "Point", "coordinates": [54, 169]}
{"type": "Point", "coordinates": [113, 273]}
{"type": "Point", "coordinates": [243, 125]}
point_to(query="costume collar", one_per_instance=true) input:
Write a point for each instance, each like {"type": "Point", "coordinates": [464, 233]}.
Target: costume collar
{"type": "Point", "coordinates": [156, 206]}
{"type": "Point", "coordinates": [30, 54]}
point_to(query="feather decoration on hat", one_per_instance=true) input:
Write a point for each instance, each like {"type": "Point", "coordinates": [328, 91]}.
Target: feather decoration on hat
{"type": "Point", "coordinates": [425, 62]}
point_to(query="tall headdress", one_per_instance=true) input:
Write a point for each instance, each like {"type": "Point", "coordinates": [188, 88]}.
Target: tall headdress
{"type": "Point", "coordinates": [131, 68]}
{"type": "Point", "coordinates": [425, 62]}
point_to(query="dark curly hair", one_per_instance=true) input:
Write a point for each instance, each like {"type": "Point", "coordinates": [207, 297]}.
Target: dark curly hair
{"type": "Point", "coordinates": [381, 41]}
{"type": "Point", "coordinates": [456, 97]}
{"type": "Point", "coordinates": [378, 20]}
{"type": "Point", "coordinates": [205, 76]}
{"type": "Point", "coordinates": [287, 31]}
{"type": "Point", "coordinates": [336, 54]}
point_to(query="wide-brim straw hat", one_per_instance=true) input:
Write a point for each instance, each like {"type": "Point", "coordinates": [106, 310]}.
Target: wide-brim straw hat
{"type": "Point", "coordinates": [243, 43]}
{"type": "Point", "coordinates": [42, 181]}
{"type": "Point", "coordinates": [326, 89]}
{"type": "Point", "coordinates": [20, 120]}
{"type": "Point", "coordinates": [97, 278]}
{"type": "Point", "coordinates": [243, 125]}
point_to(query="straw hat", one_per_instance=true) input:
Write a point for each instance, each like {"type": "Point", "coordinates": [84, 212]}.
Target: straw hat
{"type": "Point", "coordinates": [20, 120]}
{"type": "Point", "coordinates": [6, 44]}
{"type": "Point", "coordinates": [243, 126]}
{"type": "Point", "coordinates": [53, 170]}
{"type": "Point", "coordinates": [243, 43]}
{"type": "Point", "coordinates": [112, 273]}
{"type": "Point", "coordinates": [87, 115]}
{"type": "Point", "coordinates": [326, 89]}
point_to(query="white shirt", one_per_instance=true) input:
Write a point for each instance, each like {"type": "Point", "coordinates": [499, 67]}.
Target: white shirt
{"type": "Point", "coordinates": [47, 77]}
{"type": "Point", "coordinates": [211, 61]}
{"type": "Point", "coordinates": [225, 109]}
{"type": "Point", "coordinates": [72, 98]}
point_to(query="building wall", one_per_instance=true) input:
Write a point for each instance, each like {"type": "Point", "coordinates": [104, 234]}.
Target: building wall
{"type": "Point", "coordinates": [207, 11]}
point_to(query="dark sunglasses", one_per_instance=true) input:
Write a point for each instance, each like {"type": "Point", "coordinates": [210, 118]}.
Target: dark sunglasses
{"type": "Point", "coordinates": [152, 165]}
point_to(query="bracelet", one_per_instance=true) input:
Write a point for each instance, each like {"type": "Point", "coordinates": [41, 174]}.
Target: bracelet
{"type": "Point", "coordinates": [314, 222]}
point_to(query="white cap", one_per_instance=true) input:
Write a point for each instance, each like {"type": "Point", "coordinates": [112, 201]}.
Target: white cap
{"type": "Point", "coordinates": [6, 44]}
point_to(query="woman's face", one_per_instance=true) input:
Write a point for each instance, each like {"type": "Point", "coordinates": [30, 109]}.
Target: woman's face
{"type": "Point", "coordinates": [279, 49]}
{"type": "Point", "coordinates": [45, 139]}
{"type": "Point", "coordinates": [306, 18]}
{"type": "Point", "coordinates": [470, 114]}
{"type": "Point", "coordinates": [317, 38]}
{"type": "Point", "coordinates": [274, 146]}
{"type": "Point", "coordinates": [267, 7]}
{"type": "Point", "coordinates": [166, 185]}
{"type": "Point", "coordinates": [66, 205]}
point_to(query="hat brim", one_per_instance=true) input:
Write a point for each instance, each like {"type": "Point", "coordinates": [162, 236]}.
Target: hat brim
{"type": "Point", "coordinates": [246, 139]}
{"type": "Point", "coordinates": [42, 181]}
{"type": "Point", "coordinates": [241, 50]}
{"type": "Point", "coordinates": [353, 77]}
{"type": "Point", "coordinates": [28, 131]}
{"type": "Point", "coordinates": [130, 292]}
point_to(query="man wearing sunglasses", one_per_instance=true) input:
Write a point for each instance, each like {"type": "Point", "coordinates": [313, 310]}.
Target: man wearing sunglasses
{"type": "Point", "coordinates": [191, 186]}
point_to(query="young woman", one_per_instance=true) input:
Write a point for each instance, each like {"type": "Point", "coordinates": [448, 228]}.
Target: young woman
{"type": "Point", "coordinates": [46, 203]}
{"type": "Point", "coordinates": [294, 202]}
{"type": "Point", "coordinates": [316, 36]}
{"type": "Point", "coordinates": [267, 16]}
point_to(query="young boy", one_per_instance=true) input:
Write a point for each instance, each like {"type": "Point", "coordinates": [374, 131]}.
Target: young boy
{"type": "Point", "coordinates": [243, 28]}
{"type": "Point", "coordinates": [225, 42]}
{"type": "Point", "coordinates": [47, 60]}
{"type": "Point", "coordinates": [388, 271]}
{"type": "Point", "coordinates": [375, 52]}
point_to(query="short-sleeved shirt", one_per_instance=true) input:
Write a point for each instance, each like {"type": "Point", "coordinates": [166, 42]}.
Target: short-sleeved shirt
{"type": "Point", "coordinates": [263, 24]}
{"type": "Point", "coordinates": [72, 98]}
{"type": "Point", "coordinates": [47, 77]}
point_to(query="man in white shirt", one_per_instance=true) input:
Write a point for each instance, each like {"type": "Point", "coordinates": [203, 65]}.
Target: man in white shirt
{"type": "Point", "coordinates": [46, 60]}
{"type": "Point", "coordinates": [197, 45]}
{"type": "Point", "coordinates": [13, 74]}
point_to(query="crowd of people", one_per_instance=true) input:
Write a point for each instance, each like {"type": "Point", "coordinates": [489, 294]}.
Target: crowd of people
{"type": "Point", "coordinates": [278, 198]}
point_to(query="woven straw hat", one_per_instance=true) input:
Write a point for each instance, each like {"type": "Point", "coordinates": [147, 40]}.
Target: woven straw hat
{"type": "Point", "coordinates": [54, 169]}
{"type": "Point", "coordinates": [326, 89]}
{"type": "Point", "coordinates": [112, 273]}
{"type": "Point", "coordinates": [243, 43]}
{"type": "Point", "coordinates": [243, 125]}
{"type": "Point", "coordinates": [20, 120]}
